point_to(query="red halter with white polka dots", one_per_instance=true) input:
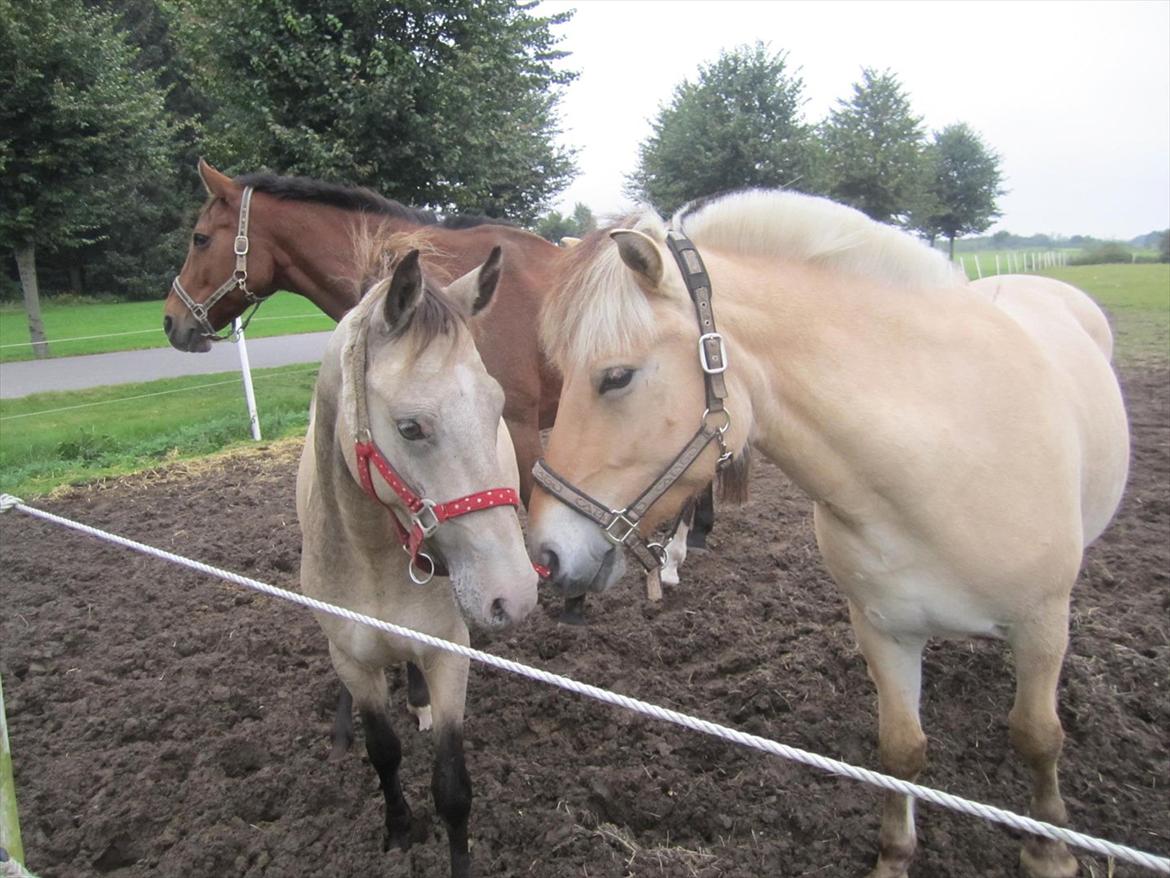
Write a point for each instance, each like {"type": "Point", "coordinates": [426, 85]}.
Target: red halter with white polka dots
{"type": "Point", "coordinates": [425, 515]}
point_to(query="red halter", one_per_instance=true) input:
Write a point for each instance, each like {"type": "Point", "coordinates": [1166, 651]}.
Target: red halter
{"type": "Point", "coordinates": [425, 515]}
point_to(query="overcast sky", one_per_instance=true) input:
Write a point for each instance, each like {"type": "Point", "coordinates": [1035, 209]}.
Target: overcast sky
{"type": "Point", "coordinates": [1074, 96]}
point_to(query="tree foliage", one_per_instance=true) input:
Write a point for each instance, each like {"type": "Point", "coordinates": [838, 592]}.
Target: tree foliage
{"type": "Point", "coordinates": [552, 226]}
{"type": "Point", "coordinates": [873, 147]}
{"type": "Point", "coordinates": [960, 186]}
{"type": "Point", "coordinates": [81, 131]}
{"type": "Point", "coordinates": [738, 125]}
{"type": "Point", "coordinates": [449, 105]}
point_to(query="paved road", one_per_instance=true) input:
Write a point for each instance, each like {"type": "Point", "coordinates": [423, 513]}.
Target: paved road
{"type": "Point", "coordinates": [124, 367]}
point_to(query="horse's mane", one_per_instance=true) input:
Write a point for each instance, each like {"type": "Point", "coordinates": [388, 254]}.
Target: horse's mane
{"type": "Point", "coordinates": [806, 228]}
{"type": "Point", "coordinates": [378, 254]}
{"type": "Point", "coordinates": [356, 199]}
{"type": "Point", "coordinates": [597, 308]}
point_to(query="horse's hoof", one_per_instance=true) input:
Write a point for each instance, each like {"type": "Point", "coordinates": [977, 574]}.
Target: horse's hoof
{"type": "Point", "coordinates": [405, 832]}
{"type": "Point", "coordinates": [573, 612]}
{"type": "Point", "coordinates": [1051, 862]}
{"type": "Point", "coordinates": [422, 714]}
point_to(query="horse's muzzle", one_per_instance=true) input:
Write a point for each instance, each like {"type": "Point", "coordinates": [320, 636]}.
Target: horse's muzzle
{"type": "Point", "coordinates": [189, 339]}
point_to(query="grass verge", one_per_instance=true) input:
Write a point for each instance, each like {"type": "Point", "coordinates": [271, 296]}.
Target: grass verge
{"type": "Point", "coordinates": [70, 324]}
{"type": "Point", "coordinates": [53, 439]}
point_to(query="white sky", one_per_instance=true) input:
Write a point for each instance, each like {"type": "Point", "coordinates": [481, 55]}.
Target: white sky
{"type": "Point", "coordinates": [1074, 96]}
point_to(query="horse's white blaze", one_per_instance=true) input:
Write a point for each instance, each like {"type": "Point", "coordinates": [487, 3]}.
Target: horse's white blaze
{"type": "Point", "coordinates": [676, 553]}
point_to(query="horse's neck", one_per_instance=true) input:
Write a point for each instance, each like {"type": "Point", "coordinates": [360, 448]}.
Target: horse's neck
{"type": "Point", "coordinates": [316, 257]}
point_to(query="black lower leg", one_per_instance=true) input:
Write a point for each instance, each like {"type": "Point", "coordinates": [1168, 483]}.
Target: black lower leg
{"type": "Point", "coordinates": [451, 787]}
{"type": "Point", "coordinates": [703, 519]}
{"type": "Point", "coordinates": [417, 694]}
{"type": "Point", "coordinates": [385, 755]}
{"type": "Point", "coordinates": [342, 723]}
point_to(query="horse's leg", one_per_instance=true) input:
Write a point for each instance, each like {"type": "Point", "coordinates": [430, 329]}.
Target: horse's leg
{"type": "Point", "coordinates": [450, 783]}
{"type": "Point", "coordinates": [418, 697]}
{"type": "Point", "coordinates": [1038, 737]}
{"type": "Point", "coordinates": [342, 724]}
{"type": "Point", "coordinates": [703, 519]}
{"type": "Point", "coordinates": [895, 666]}
{"type": "Point", "coordinates": [676, 548]}
{"type": "Point", "coordinates": [370, 693]}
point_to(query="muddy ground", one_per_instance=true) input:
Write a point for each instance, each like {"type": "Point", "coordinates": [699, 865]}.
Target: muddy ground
{"type": "Point", "coordinates": [165, 723]}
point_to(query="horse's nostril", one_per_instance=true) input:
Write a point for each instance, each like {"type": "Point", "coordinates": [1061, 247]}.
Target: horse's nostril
{"type": "Point", "coordinates": [500, 611]}
{"type": "Point", "coordinates": [167, 324]}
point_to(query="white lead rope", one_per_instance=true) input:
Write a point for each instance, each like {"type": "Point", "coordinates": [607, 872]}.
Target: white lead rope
{"type": "Point", "coordinates": [832, 766]}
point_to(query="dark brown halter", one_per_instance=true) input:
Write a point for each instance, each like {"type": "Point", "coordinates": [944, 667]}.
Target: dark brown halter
{"type": "Point", "coordinates": [621, 525]}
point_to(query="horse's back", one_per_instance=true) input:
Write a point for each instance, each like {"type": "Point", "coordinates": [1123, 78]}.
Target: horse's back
{"type": "Point", "coordinates": [1074, 335]}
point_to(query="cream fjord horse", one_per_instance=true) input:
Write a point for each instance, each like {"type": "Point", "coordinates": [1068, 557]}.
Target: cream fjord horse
{"type": "Point", "coordinates": [405, 415]}
{"type": "Point", "coordinates": [961, 444]}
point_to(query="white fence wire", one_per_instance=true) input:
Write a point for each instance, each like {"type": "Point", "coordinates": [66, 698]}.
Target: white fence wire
{"type": "Point", "coordinates": [990, 813]}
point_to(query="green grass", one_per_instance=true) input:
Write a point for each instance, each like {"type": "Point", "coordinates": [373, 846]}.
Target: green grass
{"type": "Point", "coordinates": [1137, 300]}
{"type": "Point", "coordinates": [133, 325]}
{"type": "Point", "coordinates": [52, 439]}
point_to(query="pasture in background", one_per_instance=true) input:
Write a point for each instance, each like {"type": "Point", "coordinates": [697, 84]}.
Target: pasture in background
{"type": "Point", "coordinates": [131, 326]}
{"type": "Point", "coordinates": [39, 452]}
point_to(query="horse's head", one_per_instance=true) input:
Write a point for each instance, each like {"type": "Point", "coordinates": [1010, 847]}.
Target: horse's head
{"type": "Point", "coordinates": [229, 266]}
{"type": "Point", "coordinates": [624, 332]}
{"type": "Point", "coordinates": [434, 413]}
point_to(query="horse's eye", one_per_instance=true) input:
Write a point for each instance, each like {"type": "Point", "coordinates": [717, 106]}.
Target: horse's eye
{"type": "Point", "coordinates": [200, 240]}
{"type": "Point", "coordinates": [411, 430]}
{"type": "Point", "coordinates": [614, 379]}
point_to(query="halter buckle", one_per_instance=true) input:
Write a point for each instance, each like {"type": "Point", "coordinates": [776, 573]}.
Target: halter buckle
{"type": "Point", "coordinates": [199, 311]}
{"type": "Point", "coordinates": [240, 248]}
{"type": "Point", "coordinates": [721, 355]}
{"type": "Point", "coordinates": [620, 518]}
{"type": "Point", "coordinates": [426, 519]}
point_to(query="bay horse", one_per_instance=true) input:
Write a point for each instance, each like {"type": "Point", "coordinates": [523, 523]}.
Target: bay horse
{"type": "Point", "coordinates": [300, 235]}
{"type": "Point", "coordinates": [961, 443]}
{"type": "Point", "coordinates": [404, 411]}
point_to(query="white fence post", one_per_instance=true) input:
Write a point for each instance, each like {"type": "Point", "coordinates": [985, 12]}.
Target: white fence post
{"type": "Point", "coordinates": [997, 264]}
{"type": "Point", "coordinates": [978, 269]}
{"type": "Point", "coordinates": [246, 374]}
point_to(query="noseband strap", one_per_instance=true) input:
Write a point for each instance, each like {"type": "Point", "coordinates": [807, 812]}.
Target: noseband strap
{"type": "Point", "coordinates": [621, 525]}
{"type": "Point", "coordinates": [238, 281]}
{"type": "Point", "coordinates": [425, 515]}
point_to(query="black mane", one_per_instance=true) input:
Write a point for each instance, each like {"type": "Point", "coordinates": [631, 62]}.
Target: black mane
{"type": "Point", "coordinates": [355, 199]}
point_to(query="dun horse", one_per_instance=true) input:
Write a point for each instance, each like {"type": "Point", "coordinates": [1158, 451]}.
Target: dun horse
{"type": "Point", "coordinates": [961, 444]}
{"type": "Point", "coordinates": [261, 233]}
{"type": "Point", "coordinates": [404, 416]}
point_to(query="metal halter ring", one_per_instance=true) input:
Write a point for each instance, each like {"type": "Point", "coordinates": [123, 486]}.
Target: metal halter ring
{"type": "Point", "coordinates": [423, 577]}
{"type": "Point", "coordinates": [726, 422]}
{"type": "Point", "coordinates": [630, 527]}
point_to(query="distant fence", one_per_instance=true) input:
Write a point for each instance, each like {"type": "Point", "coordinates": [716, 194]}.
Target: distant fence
{"type": "Point", "coordinates": [1012, 262]}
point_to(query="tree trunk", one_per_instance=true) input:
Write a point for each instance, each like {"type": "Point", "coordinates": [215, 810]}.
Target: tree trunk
{"type": "Point", "coordinates": [75, 282]}
{"type": "Point", "coordinates": [26, 264]}
{"type": "Point", "coordinates": [952, 240]}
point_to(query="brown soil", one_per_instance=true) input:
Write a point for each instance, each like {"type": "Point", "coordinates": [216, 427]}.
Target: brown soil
{"type": "Point", "coordinates": [165, 723]}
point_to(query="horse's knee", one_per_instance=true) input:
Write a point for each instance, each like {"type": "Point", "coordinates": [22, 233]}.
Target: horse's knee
{"type": "Point", "coordinates": [904, 754]}
{"type": "Point", "coordinates": [1037, 738]}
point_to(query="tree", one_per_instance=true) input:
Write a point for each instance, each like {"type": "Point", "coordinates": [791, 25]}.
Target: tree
{"type": "Point", "coordinates": [873, 148]}
{"type": "Point", "coordinates": [1164, 246]}
{"type": "Point", "coordinates": [737, 125]}
{"type": "Point", "coordinates": [552, 226]}
{"type": "Point", "coordinates": [959, 187]}
{"type": "Point", "coordinates": [445, 105]}
{"type": "Point", "coordinates": [80, 131]}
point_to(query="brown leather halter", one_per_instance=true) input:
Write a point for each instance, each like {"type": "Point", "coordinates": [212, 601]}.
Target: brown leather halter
{"type": "Point", "coordinates": [621, 525]}
{"type": "Point", "coordinates": [238, 280]}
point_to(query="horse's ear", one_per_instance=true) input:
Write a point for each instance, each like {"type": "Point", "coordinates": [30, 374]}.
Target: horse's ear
{"type": "Point", "coordinates": [217, 185]}
{"type": "Point", "coordinates": [474, 290]}
{"type": "Point", "coordinates": [641, 256]}
{"type": "Point", "coordinates": [405, 292]}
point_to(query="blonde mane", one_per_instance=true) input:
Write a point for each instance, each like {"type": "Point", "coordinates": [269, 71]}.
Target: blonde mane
{"type": "Point", "coordinates": [805, 228]}
{"type": "Point", "coordinates": [597, 308]}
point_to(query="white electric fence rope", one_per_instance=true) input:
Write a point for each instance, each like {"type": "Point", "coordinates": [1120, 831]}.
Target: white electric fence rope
{"type": "Point", "coordinates": [832, 766]}
{"type": "Point", "coordinates": [155, 331]}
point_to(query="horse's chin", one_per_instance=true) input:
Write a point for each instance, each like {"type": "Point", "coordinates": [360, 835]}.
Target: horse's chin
{"type": "Point", "coordinates": [609, 571]}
